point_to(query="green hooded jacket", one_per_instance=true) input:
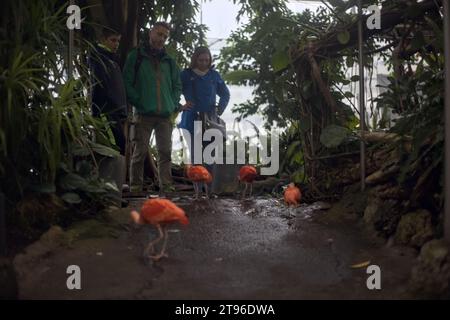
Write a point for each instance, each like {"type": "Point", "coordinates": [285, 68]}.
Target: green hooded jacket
{"type": "Point", "coordinates": [157, 89]}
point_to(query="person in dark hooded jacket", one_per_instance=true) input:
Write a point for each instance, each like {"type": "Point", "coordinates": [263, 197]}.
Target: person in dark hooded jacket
{"type": "Point", "coordinates": [108, 89]}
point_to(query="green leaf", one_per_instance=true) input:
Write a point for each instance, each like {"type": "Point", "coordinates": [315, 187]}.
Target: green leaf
{"type": "Point", "coordinates": [413, 11]}
{"type": "Point", "coordinates": [278, 93]}
{"type": "Point", "coordinates": [333, 135]}
{"type": "Point", "coordinates": [93, 188]}
{"type": "Point", "coordinates": [343, 37]}
{"type": "Point", "coordinates": [84, 168]}
{"type": "Point", "coordinates": [71, 197]}
{"type": "Point", "coordinates": [418, 41]}
{"type": "Point", "coordinates": [104, 150]}
{"type": "Point", "coordinates": [294, 147]}
{"type": "Point", "coordinates": [298, 176]}
{"type": "Point", "coordinates": [297, 159]}
{"type": "Point", "coordinates": [63, 166]}
{"type": "Point", "coordinates": [354, 78]}
{"type": "Point", "coordinates": [348, 94]}
{"type": "Point", "coordinates": [280, 60]}
{"type": "Point", "coordinates": [80, 151]}
{"type": "Point", "coordinates": [438, 33]}
{"type": "Point", "coordinates": [238, 76]}
{"type": "Point", "coordinates": [72, 181]}
{"type": "Point", "coordinates": [45, 188]}
{"type": "Point", "coordinates": [111, 186]}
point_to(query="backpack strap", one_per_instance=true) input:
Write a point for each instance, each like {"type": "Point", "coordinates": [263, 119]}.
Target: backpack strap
{"type": "Point", "coordinates": [137, 64]}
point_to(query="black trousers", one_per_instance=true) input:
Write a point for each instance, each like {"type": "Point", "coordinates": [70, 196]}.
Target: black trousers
{"type": "Point", "coordinates": [116, 124]}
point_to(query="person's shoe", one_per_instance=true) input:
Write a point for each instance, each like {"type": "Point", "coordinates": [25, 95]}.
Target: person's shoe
{"type": "Point", "coordinates": [168, 188]}
{"type": "Point", "coordinates": [183, 187]}
{"type": "Point", "coordinates": [135, 192]}
{"type": "Point", "coordinates": [124, 203]}
{"type": "Point", "coordinates": [135, 189]}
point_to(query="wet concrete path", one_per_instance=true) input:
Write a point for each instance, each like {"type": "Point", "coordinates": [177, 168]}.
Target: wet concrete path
{"type": "Point", "coordinates": [232, 249]}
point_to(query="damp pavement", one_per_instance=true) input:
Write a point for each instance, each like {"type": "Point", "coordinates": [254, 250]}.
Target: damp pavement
{"type": "Point", "coordinates": [231, 249]}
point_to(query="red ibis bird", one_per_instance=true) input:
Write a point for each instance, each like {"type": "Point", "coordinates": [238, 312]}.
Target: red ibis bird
{"type": "Point", "coordinates": [159, 213]}
{"type": "Point", "coordinates": [247, 174]}
{"type": "Point", "coordinates": [199, 176]}
{"type": "Point", "coordinates": [292, 195]}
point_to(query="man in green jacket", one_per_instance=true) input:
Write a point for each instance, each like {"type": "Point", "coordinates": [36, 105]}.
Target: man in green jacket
{"type": "Point", "coordinates": [153, 86]}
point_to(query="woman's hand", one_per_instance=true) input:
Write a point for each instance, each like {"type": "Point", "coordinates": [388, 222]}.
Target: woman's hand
{"type": "Point", "coordinates": [219, 111]}
{"type": "Point", "coordinates": [187, 106]}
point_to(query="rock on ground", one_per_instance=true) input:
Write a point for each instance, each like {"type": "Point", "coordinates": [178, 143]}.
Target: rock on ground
{"type": "Point", "coordinates": [431, 275]}
{"type": "Point", "coordinates": [414, 229]}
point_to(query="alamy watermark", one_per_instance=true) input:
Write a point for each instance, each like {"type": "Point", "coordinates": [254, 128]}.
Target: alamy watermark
{"type": "Point", "coordinates": [213, 152]}
{"type": "Point", "coordinates": [74, 19]}
{"type": "Point", "coordinates": [265, 151]}
{"type": "Point", "coordinates": [74, 280]}
{"type": "Point", "coordinates": [374, 280]}
{"type": "Point", "coordinates": [374, 20]}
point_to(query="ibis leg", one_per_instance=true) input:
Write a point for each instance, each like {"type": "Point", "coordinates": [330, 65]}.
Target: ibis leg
{"type": "Point", "coordinates": [150, 246]}
{"type": "Point", "coordinates": [163, 249]}
{"type": "Point", "coordinates": [206, 190]}
{"type": "Point", "coordinates": [245, 190]}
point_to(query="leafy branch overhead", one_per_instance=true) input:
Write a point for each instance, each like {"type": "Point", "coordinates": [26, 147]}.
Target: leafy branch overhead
{"type": "Point", "coordinates": [299, 64]}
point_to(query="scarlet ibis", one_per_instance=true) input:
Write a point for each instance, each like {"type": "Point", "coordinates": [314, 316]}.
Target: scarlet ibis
{"type": "Point", "coordinates": [292, 195]}
{"type": "Point", "coordinates": [199, 176]}
{"type": "Point", "coordinates": [247, 174]}
{"type": "Point", "coordinates": [159, 213]}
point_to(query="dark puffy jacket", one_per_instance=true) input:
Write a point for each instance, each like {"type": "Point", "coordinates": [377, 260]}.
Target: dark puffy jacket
{"type": "Point", "coordinates": [108, 91]}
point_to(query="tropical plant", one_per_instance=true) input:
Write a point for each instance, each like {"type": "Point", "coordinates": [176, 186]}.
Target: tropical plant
{"type": "Point", "coordinates": [46, 127]}
{"type": "Point", "coordinates": [299, 63]}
